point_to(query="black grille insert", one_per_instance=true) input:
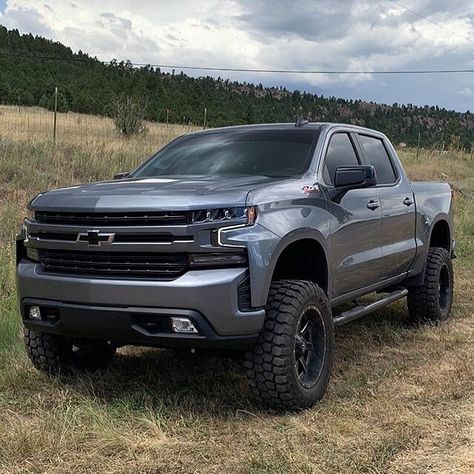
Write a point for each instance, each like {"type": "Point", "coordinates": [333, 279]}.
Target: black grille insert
{"type": "Point", "coordinates": [105, 264]}
{"type": "Point", "coordinates": [98, 219]}
{"type": "Point", "coordinates": [126, 238]}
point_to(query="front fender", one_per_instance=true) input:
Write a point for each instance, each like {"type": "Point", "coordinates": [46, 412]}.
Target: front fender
{"type": "Point", "coordinates": [261, 244]}
{"type": "Point", "coordinates": [264, 248]}
{"type": "Point", "coordinates": [286, 213]}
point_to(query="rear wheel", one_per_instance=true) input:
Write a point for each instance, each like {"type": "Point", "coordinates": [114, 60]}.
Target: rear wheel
{"type": "Point", "coordinates": [432, 300]}
{"type": "Point", "coordinates": [289, 367]}
{"type": "Point", "coordinates": [55, 354]}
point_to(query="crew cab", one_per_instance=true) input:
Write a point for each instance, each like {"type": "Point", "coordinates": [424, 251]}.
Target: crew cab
{"type": "Point", "coordinates": [247, 238]}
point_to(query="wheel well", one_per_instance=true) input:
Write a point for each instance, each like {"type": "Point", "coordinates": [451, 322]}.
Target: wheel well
{"type": "Point", "coordinates": [440, 235]}
{"type": "Point", "coordinates": [303, 260]}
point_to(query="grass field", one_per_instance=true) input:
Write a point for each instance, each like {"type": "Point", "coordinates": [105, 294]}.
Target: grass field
{"type": "Point", "coordinates": [401, 399]}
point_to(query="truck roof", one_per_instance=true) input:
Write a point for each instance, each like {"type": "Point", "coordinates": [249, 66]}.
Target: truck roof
{"type": "Point", "coordinates": [286, 126]}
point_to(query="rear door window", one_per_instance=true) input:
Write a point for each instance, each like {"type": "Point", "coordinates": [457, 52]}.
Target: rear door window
{"type": "Point", "coordinates": [377, 156]}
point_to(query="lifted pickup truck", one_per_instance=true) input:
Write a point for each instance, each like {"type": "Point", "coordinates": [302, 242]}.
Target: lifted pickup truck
{"type": "Point", "coordinates": [245, 238]}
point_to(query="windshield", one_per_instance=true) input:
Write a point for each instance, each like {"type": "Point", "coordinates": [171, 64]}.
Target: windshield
{"type": "Point", "coordinates": [273, 153]}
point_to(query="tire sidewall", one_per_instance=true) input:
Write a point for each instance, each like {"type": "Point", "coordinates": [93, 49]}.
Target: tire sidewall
{"type": "Point", "coordinates": [448, 264]}
{"type": "Point", "coordinates": [424, 300]}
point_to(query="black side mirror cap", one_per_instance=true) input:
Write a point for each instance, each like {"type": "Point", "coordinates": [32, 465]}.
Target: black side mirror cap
{"type": "Point", "coordinates": [352, 177]}
{"type": "Point", "coordinates": [121, 175]}
{"type": "Point", "coordinates": [355, 177]}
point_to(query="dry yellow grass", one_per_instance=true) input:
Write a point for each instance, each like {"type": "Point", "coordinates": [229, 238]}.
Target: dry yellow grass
{"type": "Point", "coordinates": [33, 124]}
{"type": "Point", "coordinates": [401, 399]}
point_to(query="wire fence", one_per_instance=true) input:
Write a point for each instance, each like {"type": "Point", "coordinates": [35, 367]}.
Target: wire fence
{"type": "Point", "coordinates": [34, 124]}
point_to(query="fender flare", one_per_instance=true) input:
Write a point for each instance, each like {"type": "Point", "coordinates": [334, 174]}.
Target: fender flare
{"type": "Point", "coordinates": [441, 218]}
{"type": "Point", "coordinates": [305, 233]}
{"type": "Point", "coordinates": [419, 278]}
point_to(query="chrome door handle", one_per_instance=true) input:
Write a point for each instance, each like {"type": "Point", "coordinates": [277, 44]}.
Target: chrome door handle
{"type": "Point", "coordinates": [373, 205]}
{"type": "Point", "coordinates": [408, 201]}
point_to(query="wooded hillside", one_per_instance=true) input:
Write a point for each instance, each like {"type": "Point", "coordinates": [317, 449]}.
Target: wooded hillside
{"type": "Point", "coordinates": [31, 66]}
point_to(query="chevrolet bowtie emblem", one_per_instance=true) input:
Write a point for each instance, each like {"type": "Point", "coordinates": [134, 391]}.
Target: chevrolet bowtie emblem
{"type": "Point", "coordinates": [94, 238]}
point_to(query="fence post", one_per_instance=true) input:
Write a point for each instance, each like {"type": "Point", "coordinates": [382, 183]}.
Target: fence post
{"type": "Point", "coordinates": [418, 146]}
{"type": "Point", "coordinates": [55, 113]}
{"type": "Point", "coordinates": [205, 116]}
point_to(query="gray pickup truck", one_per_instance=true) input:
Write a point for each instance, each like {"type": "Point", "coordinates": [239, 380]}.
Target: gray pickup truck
{"type": "Point", "coordinates": [248, 238]}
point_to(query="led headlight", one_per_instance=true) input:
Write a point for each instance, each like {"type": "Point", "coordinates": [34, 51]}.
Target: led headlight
{"type": "Point", "coordinates": [245, 214]}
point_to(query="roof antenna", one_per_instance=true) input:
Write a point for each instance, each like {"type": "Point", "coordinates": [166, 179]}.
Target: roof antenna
{"type": "Point", "coordinates": [300, 121]}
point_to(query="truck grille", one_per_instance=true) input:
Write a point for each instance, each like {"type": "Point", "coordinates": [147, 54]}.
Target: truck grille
{"type": "Point", "coordinates": [139, 265]}
{"type": "Point", "coordinates": [110, 219]}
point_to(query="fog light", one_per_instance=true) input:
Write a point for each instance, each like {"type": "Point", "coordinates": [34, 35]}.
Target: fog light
{"type": "Point", "coordinates": [183, 325]}
{"type": "Point", "coordinates": [35, 313]}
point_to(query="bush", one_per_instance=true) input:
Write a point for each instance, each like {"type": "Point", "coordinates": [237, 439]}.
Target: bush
{"type": "Point", "coordinates": [63, 106]}
{"type": "Point", "coordinates": [48, 102]}
{"type": "Point", "coordinates": [44, 102]}
{"type": "Point", "coordinates": [128, 114]}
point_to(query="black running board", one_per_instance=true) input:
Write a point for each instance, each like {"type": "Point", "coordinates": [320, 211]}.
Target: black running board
{"type": "Point", "coordinates": [359, 311]}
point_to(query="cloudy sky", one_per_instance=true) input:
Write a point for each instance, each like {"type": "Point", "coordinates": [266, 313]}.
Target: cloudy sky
{"type": "Point", "coordinates": [280, 34]}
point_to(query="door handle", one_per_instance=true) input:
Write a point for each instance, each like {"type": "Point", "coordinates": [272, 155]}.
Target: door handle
{"type": "Point", "coordinates": [373, 205]}
{"type": "Point", "coordinates": [408, 201]}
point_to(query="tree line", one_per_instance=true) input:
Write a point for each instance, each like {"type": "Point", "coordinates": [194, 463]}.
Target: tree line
{"type": "Point", "coordinates": [32, 66]}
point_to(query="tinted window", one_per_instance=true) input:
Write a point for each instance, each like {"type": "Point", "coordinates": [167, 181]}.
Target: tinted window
{"type": "Point", "coordinates": [274, 153]}
{"type": "Point", "coordinates": [340, 153]}
{"type": "Point", "coordinates": [377, 156]}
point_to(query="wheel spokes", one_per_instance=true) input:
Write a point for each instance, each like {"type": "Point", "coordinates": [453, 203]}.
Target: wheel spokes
{"type": "Point", "coordinates": [304, 328]}
{"type": "Point", "coordinates": [304, 365]}
{"type": "Point", "coordinates": [307, 347]}
{"type": "Point", "coordinates": [304, 347]}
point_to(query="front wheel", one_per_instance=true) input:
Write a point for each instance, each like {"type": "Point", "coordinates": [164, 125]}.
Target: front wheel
{"type": "Point", "coordinates": [432, 300]}
{"type": "Point", "coordinates": [290, 365]}
{"type": "Point", "coordinates": [58, 354]}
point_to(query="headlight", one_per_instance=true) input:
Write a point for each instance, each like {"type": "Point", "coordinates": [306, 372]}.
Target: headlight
{"type": "Point", "coordinates": [30, 214]}
{"type": "Point", "coordinates": [245, 214]}
{"type": "Point", "coordinates": [223, 259]}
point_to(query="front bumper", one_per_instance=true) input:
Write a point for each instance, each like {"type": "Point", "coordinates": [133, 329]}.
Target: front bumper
{"type": "Point", "coordinates": [108, 308]}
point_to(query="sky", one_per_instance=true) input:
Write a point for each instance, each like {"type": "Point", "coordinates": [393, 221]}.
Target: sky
{"type": "Point", "coordinates": [280, 34]}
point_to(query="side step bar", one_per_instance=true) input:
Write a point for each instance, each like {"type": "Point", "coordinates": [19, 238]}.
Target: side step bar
{"type": "Point", "coordinates": [358, 311]}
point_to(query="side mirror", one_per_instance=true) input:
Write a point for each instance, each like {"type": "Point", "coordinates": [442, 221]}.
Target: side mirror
{"type": "Point", "coordinates": [354, 177]}
{"type": "Point", "coordinates": [121, 175]}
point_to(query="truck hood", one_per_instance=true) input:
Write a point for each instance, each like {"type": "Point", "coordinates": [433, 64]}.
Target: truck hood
{"type": "Point", "coordinates": [157, 194]}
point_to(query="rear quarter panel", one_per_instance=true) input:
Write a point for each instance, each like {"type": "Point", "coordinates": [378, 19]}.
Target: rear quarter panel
{"type": "Point", "coordinates": [433, 202]}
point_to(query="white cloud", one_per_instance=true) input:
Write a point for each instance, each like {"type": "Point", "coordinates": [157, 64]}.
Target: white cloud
{"type": "Point", "coordinates": [466, 93]}
{"type": "Point", "coordinates": [342, 35]}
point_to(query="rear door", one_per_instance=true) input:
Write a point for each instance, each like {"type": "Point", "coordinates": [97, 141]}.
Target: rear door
{"type": "Point", "coordinates": [355, 224]}
{"type": "Point", "coordinates": [397, 205]}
